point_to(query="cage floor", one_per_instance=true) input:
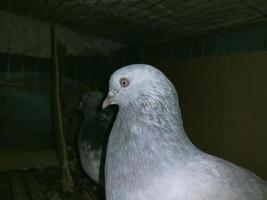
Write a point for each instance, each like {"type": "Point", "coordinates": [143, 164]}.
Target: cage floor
{"type": "Point", "coordinates": [38, 184]}
{"type": "Point", "coordinates": [20, 159]}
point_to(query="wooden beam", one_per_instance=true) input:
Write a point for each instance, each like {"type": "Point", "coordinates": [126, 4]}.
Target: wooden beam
{"type": "Point", "coordinates": [67, 180]}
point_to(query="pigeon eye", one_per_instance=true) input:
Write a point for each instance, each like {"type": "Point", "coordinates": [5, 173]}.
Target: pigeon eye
{"type": "Point", "coordinates": [86, 99]}
{"type": "Point", "coordinates": [124, 82]}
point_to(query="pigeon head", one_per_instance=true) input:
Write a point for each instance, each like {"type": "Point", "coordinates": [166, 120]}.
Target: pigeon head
{"type": "Point", "coordinates": [90, 102]}
{"type": "Point", "coordinates": [131, 83]}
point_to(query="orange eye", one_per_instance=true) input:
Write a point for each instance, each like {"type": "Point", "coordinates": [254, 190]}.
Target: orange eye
{"type": "Point", "coordinates": [124, 82]}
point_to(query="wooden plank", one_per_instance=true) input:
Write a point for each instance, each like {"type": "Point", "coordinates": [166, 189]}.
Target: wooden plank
{"type": "Point", "coordinates": [54, 173]}
{"type": "Point", "coordinates": [6, 197]}
{"type": "Point", "coordinates": [58, 52]}
{"type": "Point", "coordinates": [49, 186]}
{"type": "Point", "coordinates": [27, 159]}
{"type": "Point", "coordinates": [17, 186]}
{"type": "Point", "coordinates": [42, 177]}
{"type": "Point", "coordinates": [5, 190]}
{"type": "Point", "coordinates": [33, 186]}
{"type": "Point", "coordinates": [4, 186]}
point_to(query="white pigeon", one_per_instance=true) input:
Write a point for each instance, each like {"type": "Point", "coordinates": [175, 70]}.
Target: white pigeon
{"type": "Point", "coordinates": [149, 155]}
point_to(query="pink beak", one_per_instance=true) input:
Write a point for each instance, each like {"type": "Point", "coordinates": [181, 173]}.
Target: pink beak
{"type": "Point", "coordinates": [106, 102]}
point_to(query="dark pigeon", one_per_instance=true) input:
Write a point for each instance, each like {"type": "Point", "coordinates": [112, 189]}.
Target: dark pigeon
{"type": "Point", "coordinates": [92, 138]}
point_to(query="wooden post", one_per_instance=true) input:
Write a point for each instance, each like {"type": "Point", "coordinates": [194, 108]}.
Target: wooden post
{"type": "Point", "coordinates": [57, 117]}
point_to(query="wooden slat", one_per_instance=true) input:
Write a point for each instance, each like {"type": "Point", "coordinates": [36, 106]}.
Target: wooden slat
{"type": "Point", "coordinates": [4, 186]}
{"type": "Point", "coordinates": [38, 184]}
{"type": "Point", "coordinates": [6, 197]}
{"type": "Point", "coordinates": [44, 179]}
{"type": "Point", "coordinates": [11, 160]}
{"type": "Point", "coordinates": [33, 186]}
{"type": "Point", "coordinates": [17, 186]}
{"type": "Point", "coordinates": [5, 190]}
{"type": "Point", "coordinates": [49, 185]}
{"type": "Point", "coordinates": [54, 173]}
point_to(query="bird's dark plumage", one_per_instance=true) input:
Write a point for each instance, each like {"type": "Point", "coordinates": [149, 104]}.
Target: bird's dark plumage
{"type": "Point", "coordinates": [93, 134]}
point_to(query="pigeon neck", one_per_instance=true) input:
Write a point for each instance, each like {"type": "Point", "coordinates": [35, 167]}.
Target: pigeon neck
{"type": "Point", "coordinates": [147, 138]}
{"type": "Point", "coordinates": [90, 114]}
{"type": "Point", "coordinates": [156, 125]}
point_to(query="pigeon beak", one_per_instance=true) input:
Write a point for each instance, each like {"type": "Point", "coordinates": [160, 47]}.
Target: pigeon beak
{"type": "Point", "coordinates": [107, 101]}
{"type": "Point", "coordinates": [80, 107]}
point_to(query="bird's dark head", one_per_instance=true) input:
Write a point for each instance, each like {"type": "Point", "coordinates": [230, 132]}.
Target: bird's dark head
{"type": "Point", "coordinates": [90, 102]}
{"type": "Point", "coordinates": [134, 82]}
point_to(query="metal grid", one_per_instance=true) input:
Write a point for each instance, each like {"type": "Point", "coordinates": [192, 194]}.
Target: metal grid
{"type": "Point", "coordinates": [141, 21]}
